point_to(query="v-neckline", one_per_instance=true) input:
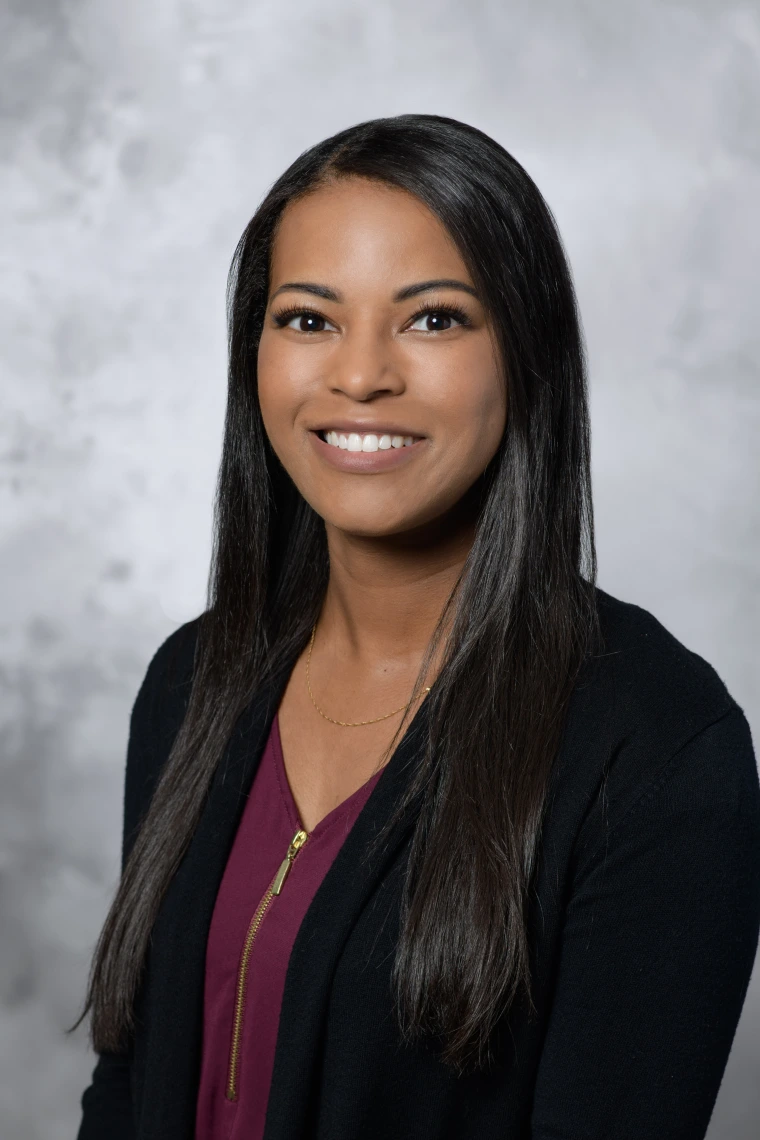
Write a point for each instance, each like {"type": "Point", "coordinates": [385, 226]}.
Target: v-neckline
{"type": "Point", "coordinates": [335, 814]}
{"type": "Point", "coordinates": [170, 1048]}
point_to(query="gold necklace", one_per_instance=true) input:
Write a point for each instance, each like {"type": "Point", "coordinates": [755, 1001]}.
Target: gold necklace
{"type": "Point", "coordinates": [344, 723]}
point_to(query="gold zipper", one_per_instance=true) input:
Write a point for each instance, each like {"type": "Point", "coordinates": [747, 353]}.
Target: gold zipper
{"type": "Point", "coordinates": [274, 888]}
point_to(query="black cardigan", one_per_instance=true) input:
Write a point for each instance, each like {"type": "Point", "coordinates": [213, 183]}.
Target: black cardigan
{"type": "Point", "coordinates": [644, 926]}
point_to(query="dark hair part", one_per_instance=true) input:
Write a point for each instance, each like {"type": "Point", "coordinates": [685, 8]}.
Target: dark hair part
{"type": "Point", "coordinates": [523, 615]}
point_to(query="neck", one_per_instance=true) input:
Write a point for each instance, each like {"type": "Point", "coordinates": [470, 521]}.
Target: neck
{"type": "Point", "coordinates": [385, 596]}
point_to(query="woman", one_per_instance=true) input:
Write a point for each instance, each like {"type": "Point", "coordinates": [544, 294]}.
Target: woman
{"type": "Point", "coordinates": [425, 835]}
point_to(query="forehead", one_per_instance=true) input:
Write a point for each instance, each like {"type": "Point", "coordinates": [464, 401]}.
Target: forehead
{"type": "Point", "coordinates": [357, 231]}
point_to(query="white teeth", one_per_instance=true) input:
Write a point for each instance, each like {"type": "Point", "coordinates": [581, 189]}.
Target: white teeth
{"type": "Point", "coordinates": [353, 441]}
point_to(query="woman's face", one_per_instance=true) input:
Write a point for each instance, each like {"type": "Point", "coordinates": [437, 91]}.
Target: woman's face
{"type": "Point", "coordinates": [380, 386]}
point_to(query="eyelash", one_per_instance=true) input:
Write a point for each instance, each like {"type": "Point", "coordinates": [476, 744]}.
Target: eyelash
{"type": "Point", "coordinates": [446, 309]}
{"type": "Point", "coordinates": [285, 315]}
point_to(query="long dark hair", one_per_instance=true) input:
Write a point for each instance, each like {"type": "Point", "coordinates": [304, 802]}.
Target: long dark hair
{"type": "Point", "coordinates": [521, 618]}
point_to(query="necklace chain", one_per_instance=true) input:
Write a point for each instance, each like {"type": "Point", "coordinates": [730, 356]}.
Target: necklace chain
{"type": "Point", "coordinates": [344, 723]}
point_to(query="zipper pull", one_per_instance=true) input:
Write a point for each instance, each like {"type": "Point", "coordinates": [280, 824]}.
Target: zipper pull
{"type": "Point", "coordinates": [296, 844]}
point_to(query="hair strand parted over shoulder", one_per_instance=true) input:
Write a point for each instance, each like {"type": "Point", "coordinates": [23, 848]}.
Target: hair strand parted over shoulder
{"type": "Point", "coordinates": [523, 614]}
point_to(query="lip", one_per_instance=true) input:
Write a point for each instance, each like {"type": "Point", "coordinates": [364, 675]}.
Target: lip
{"type": "Point", "coordinates": [365, 462]}
{"type": "Point", "coordinates": [363, 427]}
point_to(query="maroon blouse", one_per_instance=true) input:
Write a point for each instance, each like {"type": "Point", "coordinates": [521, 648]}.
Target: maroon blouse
{"type": "Point", "coordinates": [251, 935]}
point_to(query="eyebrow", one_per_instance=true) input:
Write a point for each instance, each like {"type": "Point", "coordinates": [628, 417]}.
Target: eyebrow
{"type": "Point", "coordinates": [438, 283]}
{"type": "Point", "coordinates": [307, 287]}
{"type": "Point", "coordinates": [404, 294]}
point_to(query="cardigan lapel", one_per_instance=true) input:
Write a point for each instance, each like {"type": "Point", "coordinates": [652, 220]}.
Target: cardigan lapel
{"type": "Point", "coordinates": [167, 1061]}
{"type": "Point", "coordinates": [346, 888]}
{"type": "Point", "coordinates": [168, 1048]}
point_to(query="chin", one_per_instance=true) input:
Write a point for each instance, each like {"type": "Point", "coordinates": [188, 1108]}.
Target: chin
{"type": "Point", "coordinates": [384, 524]}
{"type": "Point", "coordinates": [381, 516]}
{"type": "Point", "coordinates": [361, 528]}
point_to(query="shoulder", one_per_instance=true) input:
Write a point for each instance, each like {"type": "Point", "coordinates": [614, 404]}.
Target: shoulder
{"type": "Point", "coordinates": [165, 689]}
{"type": "Point", "coordinates": [170, 670]}
{"type": "Point", "coordinates": [657, 719]}
{"type": "Point", "coordinates": [157, 715]}
{"type": "Point", "coordinates": [654, 684]}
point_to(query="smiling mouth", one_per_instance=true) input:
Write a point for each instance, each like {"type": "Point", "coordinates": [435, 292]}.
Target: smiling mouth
{"type": "Point", "coordinates": [365, 441]}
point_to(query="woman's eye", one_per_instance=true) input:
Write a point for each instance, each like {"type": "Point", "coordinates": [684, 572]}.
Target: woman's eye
{"type": "Point", "coordinates": [307, 323]}
{"type": "Point", "coordinates": [434, 321]}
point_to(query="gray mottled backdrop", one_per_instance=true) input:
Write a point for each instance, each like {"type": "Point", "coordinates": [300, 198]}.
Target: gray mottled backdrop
{"type": "Point", "coordinates": [137, 140]}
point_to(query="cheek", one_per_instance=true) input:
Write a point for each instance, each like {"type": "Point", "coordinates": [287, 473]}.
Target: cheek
{"type": "Point", "coordinates": [265, 372]}
{"type": "Point", "coordinates": [473, 404]}
{"type": "Point", "coordinates": [278, 392]}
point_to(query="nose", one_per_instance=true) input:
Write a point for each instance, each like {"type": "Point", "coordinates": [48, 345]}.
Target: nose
{"type": "Point", "coordinates": [363, 367]}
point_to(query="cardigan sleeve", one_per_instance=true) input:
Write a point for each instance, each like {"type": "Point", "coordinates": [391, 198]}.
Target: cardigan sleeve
{"type": "Point", "coordinates": [157, 714]}
{"type": "Point", "coordinates": [659, 940]}
{"type": "Point", "coordinates": [107, 1102]}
